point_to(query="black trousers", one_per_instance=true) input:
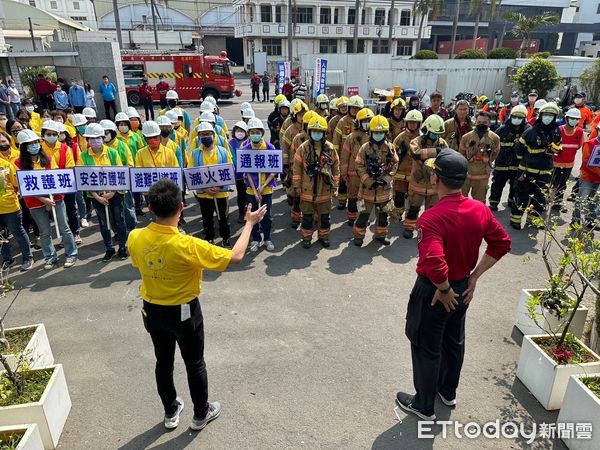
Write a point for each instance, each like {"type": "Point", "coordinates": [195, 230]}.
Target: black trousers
{"type": "Point", "coordinates": [265, 94]}
{"type": "Point", "coordinates": [499, 180]}
{"type": "Point", "coordinates": [72, 214]}
{"type": "Point", "coordinates": [240, 188]}
{"type": "Point", "coordinates": [560, 176]}
{"type": "Point", "coordinates": [531, 189]}
{"type": "Point", "coordinates": [108, 104]}
{"type": "Point", "coordinates": [437, 339]}
{"type": "Point", "coordinates": [148, 108]}
{"type": "Point", "coordinates": [207, 208]}
{"type": "Point", "coordinates": [167, 329]}
{"type": "Point", "coordinates": [255, 93]}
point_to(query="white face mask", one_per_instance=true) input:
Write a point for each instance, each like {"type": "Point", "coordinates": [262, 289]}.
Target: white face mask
{"type": "Point", "coordinates": [365, 126]}
{"type": "Point", "coordinates": [51, 139]}
{"type": "Point", "coordinates": [573, 122]}
{"type": "Point", "coordinates": [29, 109]}
{"type": "Point", "coordinates": [240, 135]}
{"type": "Point", "coordinates": [123, 129]}
{"type": "Point", "coordinates": [516, 121]}
{"type": "Point", "coordinates": [514, 99]}
{"type": "Point", "coordinates": [378, 137]}
{"type": "Point", "coordinates": [578, 101]}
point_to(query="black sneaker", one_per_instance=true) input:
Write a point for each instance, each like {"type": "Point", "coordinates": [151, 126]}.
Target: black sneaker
{"type": "Point", "coordinates": [295, 225]}
{"type": "Point", "coordinates": [325, 242]}
{"type": "Point", "coordinates": [123, 253]}
{"type": "Point", "coordinates": [109, 255]}
{"type": "Point", "coordinates": [404, 401]}
{"type": "Point", "coordinates": [384, 240]}
{"type": "Point", "coordinates": [172, 420]}
{"type": "Point", "coordinates": [358, 242]}
{"type": "Point", "coordinates": [407, 234]}
{"type": "Point", "coordinates": [350, 223]}
{"type": "Point", "coordinates": [139, 213]}
{"type": "Point", "coordinates": [516, 226]}
{"type": "Point", "coordinates": [447, 401]}
{"type": "Point", "coordinates": [493, 207]}
{"type": "Point", "coordinates": [341, 206]}
{"type": "Point", "coordinates": [306, 243]}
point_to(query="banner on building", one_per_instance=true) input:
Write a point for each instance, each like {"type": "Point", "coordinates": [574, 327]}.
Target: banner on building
{"type": "Point", "coordinates": [102, 178]}
{"type": "Point", "coordinates": [46, 182]}
{"type": "Point", "coordinates": [259, 161]}
{"type": "Point", "coordinates": [144, 177]}
{"type": "Point", "coordinates": [320, 77]}
{"type": "Point", "coordinates": [204, 177]}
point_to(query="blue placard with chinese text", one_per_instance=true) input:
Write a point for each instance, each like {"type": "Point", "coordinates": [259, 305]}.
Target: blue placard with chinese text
{"type": "Point", "coordinates": [259, 161]}
{"type": "Point", "coordinates": [144, 177]}
{"type": "Point", "coordinates": [594, 160]}
{"type": "Point", "coordinates": [203, 177]}
{"type": "Point", "coordinates": [46, 182]}
{"type": "Point", "coordinates": [102, 178]}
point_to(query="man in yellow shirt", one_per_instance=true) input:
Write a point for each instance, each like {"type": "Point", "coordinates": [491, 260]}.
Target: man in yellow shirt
{"type": "Point", "coordinates": [171, 266]}
{"type": "Point", "coordinates": [154, 154]}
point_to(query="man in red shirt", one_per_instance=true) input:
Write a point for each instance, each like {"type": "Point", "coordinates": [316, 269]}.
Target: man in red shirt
{"type": "Point", "coordinates": [587, 115]}
{"type": "Point", "coordinates": [146, 92]}
{"type": "Point", "coordinates": [162, 87]}
{"type": "Point", "coordinates": [450, 234]}
{"type": "Point", "coordinates": [44, 89]}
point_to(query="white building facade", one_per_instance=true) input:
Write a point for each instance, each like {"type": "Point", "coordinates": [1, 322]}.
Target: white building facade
{"type": "Point", "coordinates": [81, 11]}
{"type": "Point", "coordinates": [587, 11]}
{"type": "Point", "coordinates": [327, 28]}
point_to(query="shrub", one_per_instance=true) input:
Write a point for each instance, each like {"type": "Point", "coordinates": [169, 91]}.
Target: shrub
{"type": "Point", "coordinates": [471, 54]}
{"type": "Point", "coordinates": [590, 81]}
{"type": "Point", "coordinates": [425, 54]}
{"type": "Point", "coordinates": [543, 55]}
{"type": "Point", "coordinates": [537, 74]}
{"type": "Point", "coordinates": [29, 76]}
{"type": "Point", "coordinates": [502, 53]}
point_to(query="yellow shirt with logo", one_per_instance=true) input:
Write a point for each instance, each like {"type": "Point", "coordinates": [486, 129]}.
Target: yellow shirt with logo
{"type": "Point", "coordinates": [171, 263]}
{"type": "Point", "coordinates": [9, 202]}
{"type": "Point", "coordinates": [163, 157]}
{"type": "Point", "coordinates": [99, 160]}
{"type": "Point", "coordinates": [54, 153]}
{"type": "Point", "coordinates": [209, 158]}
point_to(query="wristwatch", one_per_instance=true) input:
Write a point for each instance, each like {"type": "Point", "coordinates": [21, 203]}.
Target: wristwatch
{"type": "Point", "coordinates": [445, 291]}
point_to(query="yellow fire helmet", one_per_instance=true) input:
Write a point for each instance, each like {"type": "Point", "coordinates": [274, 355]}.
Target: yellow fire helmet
{"type": "Point", "coordinates": [379, 124]}
{"type": "Point", "coordinates": [399, 102]}
{"type": "Point", "coordinates": [300, 107]}
{"type": "Point", "coordinates": [342, 101]}
{"type": "Point", "coordinates": [278, 99]}
{"type": "Point", "coordinates": [317, 123]}
{"type": "Point", "coordinates": [518, 111]}
{"type": "Point", "coordinates": [363, 114]}
{"type": "Point", "coordinates": [322, 98]}
{"type": "Point", "coordinates": [434, 124]}
{"type": "Point", "coordinates": [356, 101]}
{"type": "Point", "coordinates": [309, 115]}
{"type": "Point", "coordinates": [293, 104]}
{"type": "Point", "coordinates": [549, 108]}
{"type": "Point", "coordinates": [333, 105]}
{"type": "Point", "coordinates": [414, 116]}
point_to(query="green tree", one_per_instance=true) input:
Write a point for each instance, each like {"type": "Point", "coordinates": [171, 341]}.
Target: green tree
{"type": "Point", "coordinates": [525, 26]}
{"type": "Point", "coordinates": [537, 74]}
{"type": "Point", "coordinates": [29, 76]}
{"type": "Point", "coordinates": [590, 81]}
{"type": "Point", "coordinates": [425, 8]}
{"type": "Point", "coordinates": [477, 9]}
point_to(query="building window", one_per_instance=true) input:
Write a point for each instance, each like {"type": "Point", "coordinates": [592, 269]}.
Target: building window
{"type": "Point", "coordinates": [278, 14]}
{"type": "Point", "coordinates": [303, 15]}
{"type": "Point", "coordinates": [405, 17]}
{"type": "Point", "coordinates": [327, 46]}
{"type": "Point", "coordinates": [351, 16]}
{"type": "Point", "coordinates": [363, 19]}
{"type": "Point", "coordinates": [32, 3]}
{"type": "Point", "coordinates": [79, 18]}
{"type": "Point", "coordinates": [53, 5]}
{"type": "Point", "coordinates": [251, 14]}
{"type": "Point", "coordinates": [266, 14]}
{"type": "Point", "coordinates": [336, 16]}
{"type": "Point", "coordinates": [325, 16]}
{"type": "Point", "coordinates": [350, 46]}
{"type": "Point", "coordinates": [379, 17]}
{"type": "Point", "coordinates": [597, 10]}
{"type": "Point", "coordinates": [76, 5]}
{"type": "Point", "coordinates": [404, 48]}
{"type": "Point", "coordinates": [380, 46]}
{"type": "Point", "coordinates": [272, 47]}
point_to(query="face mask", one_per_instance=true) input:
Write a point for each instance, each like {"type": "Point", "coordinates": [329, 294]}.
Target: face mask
{"type": "Point", "coordinates": [160, 79]}
{"type": "Point", "coordinates": [578, 101]}
{"type": "Point", "coordinates": [481, 128]}
{"type": "Point", "coordinates": [29, 109]}
{"type": "Point", "coordinates": [4, 147]}
{"type": "Point", "coordinates": [96, 142]}
{"type": "Point", "coordinates": [514, 99]}
{"type": "Point", "coordinates": [207, 141]}
{"type": "Point", "coordinates": [107, 138]}
{"type": "Point", "coordinates": [547, 120]}
{"type": "Point", "coordinates": [153, 142]}
{"type": "Point", "coordinates": [516, 121]}
{"type": "Point", "coordinates": [255, 138]}
{"type": "Point", "coordinates": [51, 139]}
{"type": "Point", "coordinates": [317, 136]}
{"type": "Point", "coordinates": [573, 122]}
{"type": "Point", "coordinates": [165, 133]}
{"type": "Point", "coordinates": [172, 103]}
{"type": "Point", "coordinates": [498, 97]}
{"type": "Point", "coordinates": [240, 135]}
{"type": "Point", "coordinates": [365, 126]}
{"type": "Point", "coordinates": [33, 149]}
{"type": "Point", "coordinates": [378, 137]}
{"type": "Point", "coordinates": [324, 105]}
{"type": "Point", "coordinates": [135, 125]}
{"type": "Point", "coordinates": [124, 129]}
{"type": "Point", "coordinates": [432, 136]}
{"type": "Point", "coordinates": [81, 130]}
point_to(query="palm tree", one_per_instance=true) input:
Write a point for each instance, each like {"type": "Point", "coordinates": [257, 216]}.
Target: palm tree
{"type": "Point", "coordinates": [477, 9]}
{"type": "Point", "coordinates": [525, 26]}
{"type": "Point", "coordinates": [425, 8]}
{"type": "Point", "coordinates": [454, 28]}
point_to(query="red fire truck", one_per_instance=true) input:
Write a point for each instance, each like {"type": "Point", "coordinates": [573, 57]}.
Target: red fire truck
{"type": "Point", "coordinates": [191, 74]}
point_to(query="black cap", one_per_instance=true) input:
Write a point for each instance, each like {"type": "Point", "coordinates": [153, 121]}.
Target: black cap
{"type": "Point", "coordinates": [533, 92]}
{"type": "Point", "coordinates": [498, 92]}
{"type": "Point", "coordinates": [580, 94]}
{"type": "Point", "coordinates": [514, 94]}
{"type": "Point", "coordinates": [449, 164]}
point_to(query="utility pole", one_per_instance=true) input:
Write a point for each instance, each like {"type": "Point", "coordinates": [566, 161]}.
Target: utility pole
{"type": "Point", "coordinates": [391, 24]}
{"type": "Point", "coordinates": [356, 19]}
{"type": "Point", "coordinates": [117, 22]}
{"type": "Point", "coordinates": [454, 28]}
{"type": "Point", "coordinates": [290, 33]}
{"type": "Point", "coordinates": [153, 6]}
{"type": "Point", "coordinates": [31, 34]}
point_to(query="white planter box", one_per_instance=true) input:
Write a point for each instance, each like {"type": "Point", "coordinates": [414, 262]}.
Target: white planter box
{"type": "Point", "coordinates": [545, 379]}
{"type": "Point", "coordinates": [550, 324]}
{"type": "Point", "coordinates": [31, 439]}
{"type": "Point", "coordinates": [50, 413]}
{"type": "Point", "coordinates": [581, 406]}
{"type": "Point", "coordinates": [38, 349]}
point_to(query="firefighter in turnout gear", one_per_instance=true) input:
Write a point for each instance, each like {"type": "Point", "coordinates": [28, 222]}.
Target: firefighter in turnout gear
{"type": "Point", "coordinates": [535, 151]}
{"type": "Point", "coordinates": [459, 125]}
{"type": "Point", "coordinates": [283, 112]}
{"type": "Point", "coordinates": [288, 159]}
{"type": "Point", "coordinates": [342, 109]}
{"type": "Point", "coordinates": [301, 137]}
{"type": "Point", "coordinates": [333, 112]}
{"type": "Point", "coordinates": [481, 147]}
{"type": "Point", "coordinates": [397, 110]}
{"type": "Point", "coordinates": [413, 120]}
{"type": "Point", "coordinates": [420, 190]}
{"type": "Point", "coordinates": [289, 120]}
{"type": "Point", "coordinates": [316, 174]}
{"type": "Point", "coordinates": [342, 131]}
{"type": "Point", "coordinates": [376, 165]}
{"type": "Point", "coordinates": [352, 145]}
{"type": "Point", "coordinates": [322, 105]}
{"type": "Point", "coordinates": [507, 164]}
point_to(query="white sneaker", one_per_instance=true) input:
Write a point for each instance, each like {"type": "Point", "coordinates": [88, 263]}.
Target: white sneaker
{"type": "Point", "coordinates": [70, 262]}
{"type": "Point", "coordinates": [78, 240]}
{"type": "Point", "coordinates": [254, 246]}
{"type": "Point", "coordinates": [269, 245]}
{"type": "Point", "coordinates": [84, 223]}
{"type": "Point", "coordinates": [214, 409]}
{"type": "Point", "coordinates": [172, 420]}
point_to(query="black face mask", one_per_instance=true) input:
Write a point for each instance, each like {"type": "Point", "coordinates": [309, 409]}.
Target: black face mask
{"type": "Point", "coordinates": [172, 103]}
{"type": "Point", "coordinates": [4, 147]}
{"type": "Point", "coordinates": [165, 133]}
{"type": "Point", "coordinates": [481, 128]}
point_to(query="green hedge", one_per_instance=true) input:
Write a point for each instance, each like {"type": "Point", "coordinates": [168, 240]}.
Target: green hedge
{"type": "Point", "coordinates": [471, 54]}
{"type": "Point", "coordinates": [502, 53]}
{"type": "Point", "coordinates": [425, 54]}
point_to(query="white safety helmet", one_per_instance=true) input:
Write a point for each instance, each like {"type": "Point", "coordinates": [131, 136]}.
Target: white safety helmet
{"type": "Point", "coordinates": [172, 116]}
{"type": "Point", "coordinates": [78, 120]}
{"type": "Point", "coordinates": [50, 125]}
{"type": "Point", "coordinates": [573, 113]}
{"type": "Point", "coordinates": [163, 121]}
{"type": "Point", "coordinates": [89, 112]}
{"type": "Point", "coordinates": [245, 105]}
{"type": "Point", "coordinates": [207, 106]}
{"type": "Point", "coordinates": [108, 125]}
{"type": "Point", "coordinates": [284, 104]}
{"type": "Point", "coordinates": [204, 126]}
{"type": "Point", "coordinates": [26, 136]}
{"type": "Point", "coordinates": [539, 103]}
{"type": "Point", "coordinates": [179, 112]}
{"type": "Point", "coordinates": [150, 129]}
{"type": "Point", "coordinates": [241, 124]}
{"type": "Point", "coordinates": [61, 127]}
{"type": "Point", "coordinates": [248, 113]}
{"type": "Point", "coordinates": [94, 130]}
{"type": "Point", "coordinates": [132, 112]}
{"type": "Point", "coordinates": [255, 124]}
{"type": "Point", "coordinates": [121, 117]}
{"type": "Point", "coordinates": [207, 116]}
{"type": "Point", "coordinates": [172, 95]}
{"type": "Point", "coordinates": [210, 99]}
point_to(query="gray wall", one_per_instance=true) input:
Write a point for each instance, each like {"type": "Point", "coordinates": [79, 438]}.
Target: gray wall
{"type": "Point", "coordinates": [213, 45]}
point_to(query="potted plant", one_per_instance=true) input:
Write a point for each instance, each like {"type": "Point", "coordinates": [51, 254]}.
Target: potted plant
{"type": "Point", "coordinates": [548, 360]}
{"type": "Point", "coordinates": [582, 406]}
{"type": "Point", "coordinates": [21, 437]}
